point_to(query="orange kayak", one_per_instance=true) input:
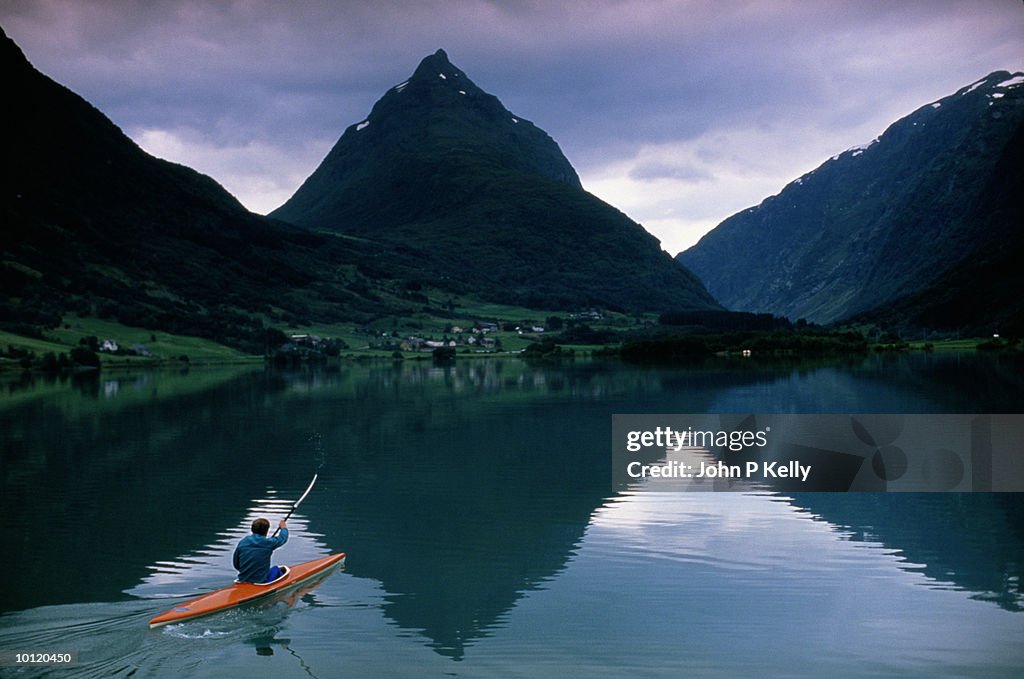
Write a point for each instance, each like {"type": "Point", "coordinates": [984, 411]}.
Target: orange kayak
{"type": "Point", "coordinates": [245, 592]}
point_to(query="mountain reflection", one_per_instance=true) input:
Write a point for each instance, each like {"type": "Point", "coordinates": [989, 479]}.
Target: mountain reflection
{"type": "Point", "coordinates": [972, 541]}
{"type": "Point", "coordinates": [458, 489]}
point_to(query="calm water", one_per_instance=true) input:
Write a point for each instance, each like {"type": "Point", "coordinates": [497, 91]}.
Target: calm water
{"type": "Point", "coordinates": [483, 534]}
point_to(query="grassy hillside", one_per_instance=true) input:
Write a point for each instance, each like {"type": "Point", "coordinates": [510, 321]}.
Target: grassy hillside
{"type": "Point", "coordinates": [164, 347]}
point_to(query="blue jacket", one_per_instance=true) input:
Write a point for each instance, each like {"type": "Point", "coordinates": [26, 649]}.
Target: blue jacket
{"type": "Point", "coordinates": [252, 556]}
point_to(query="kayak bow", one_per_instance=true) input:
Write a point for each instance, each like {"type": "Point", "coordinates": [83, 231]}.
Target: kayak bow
{"type": "Point", "coordinates": [245, 592]}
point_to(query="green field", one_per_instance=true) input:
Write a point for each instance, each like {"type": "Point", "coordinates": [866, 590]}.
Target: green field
{"type": "Point", "coordinates": [969, 344]}
{"type": "Point", "coordinates": [167, 349]}
{"type": "Point", "coordinates": [163, 346]}
{"type": "Point", "coordinates": [432, 322]}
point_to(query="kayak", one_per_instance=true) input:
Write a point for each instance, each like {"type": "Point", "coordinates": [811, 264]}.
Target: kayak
{"type": "Point", "coordinates": [245, 592]}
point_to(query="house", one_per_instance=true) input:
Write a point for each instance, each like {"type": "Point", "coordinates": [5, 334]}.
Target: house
{"type": "Point", "coordinates": [411, 344]}
{"type": "Point", "coordinates": [309, 341]}
{"type": "Point", "coordinates": [109, 345]}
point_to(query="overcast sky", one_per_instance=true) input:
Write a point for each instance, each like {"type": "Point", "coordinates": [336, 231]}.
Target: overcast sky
{"type": "Point", "coordinates": [680, 113]}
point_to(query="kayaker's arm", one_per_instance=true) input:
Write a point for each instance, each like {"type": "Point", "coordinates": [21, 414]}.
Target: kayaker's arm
{"type": "Point", "coordinates": [282, 536]}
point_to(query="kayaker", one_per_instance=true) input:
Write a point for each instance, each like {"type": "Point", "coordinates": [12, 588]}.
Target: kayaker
{"type": "Point", "coordinates": [252, 555]}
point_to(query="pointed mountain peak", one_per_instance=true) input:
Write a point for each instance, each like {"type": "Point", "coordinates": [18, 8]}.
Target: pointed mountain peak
{"type": "Point", "coordinates": [473, 195]}
{"type": "Point", "coordinates": [436, 65]}
{"type": "Point", "coordinates": [440, 112]}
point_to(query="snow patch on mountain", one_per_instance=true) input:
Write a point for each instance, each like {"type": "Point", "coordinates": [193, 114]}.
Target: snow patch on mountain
{"type": "Point", "coordinates": [1013, 82]}
{"type": "Point", "coordinates": [973, 87]}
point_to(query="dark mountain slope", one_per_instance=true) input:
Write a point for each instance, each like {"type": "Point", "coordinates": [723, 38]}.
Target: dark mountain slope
{"type": "Point", "coordinates": [984, 292]}
{"type": "Point", "coordinates": [485, 200]}
{"type": "Point", "coordinates": [94, 225]}
{"type": "Point", "coordinates": [876, 223]}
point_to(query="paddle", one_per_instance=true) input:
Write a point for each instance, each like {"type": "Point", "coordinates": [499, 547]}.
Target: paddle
{"type": "Point", "coordinates": [297, 503]}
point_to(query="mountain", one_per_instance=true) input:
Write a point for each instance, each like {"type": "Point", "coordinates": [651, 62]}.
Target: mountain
{"type": "Point", "coordinates": [984, 293]}
{"type": "Point", "coordinates": [914, 219]}
{"type": "Point", "coordinates": [485, 200]}
{"type": "Point", "coordinates": [94, 225]}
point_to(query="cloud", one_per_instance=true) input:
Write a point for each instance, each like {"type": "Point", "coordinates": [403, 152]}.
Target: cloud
{"type": "Point", "coordinates": [262, 175]}
{"type": "Point", "coordinates": [680, 190]}
{"type": "Point", "coordinates": [654, 170]}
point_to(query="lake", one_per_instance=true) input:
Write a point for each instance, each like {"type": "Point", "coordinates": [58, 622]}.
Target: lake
{"type": "Point", "coordinates": [483, 534]}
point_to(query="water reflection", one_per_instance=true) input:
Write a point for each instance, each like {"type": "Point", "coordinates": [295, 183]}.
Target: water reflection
{"type": "Point", "coordinates": [460, 492]}
{"type": "Point", "coordinates": [972, 542]}
{"type": "Point", "coordinates": [744, 583]}
{"type": "Point", "coordinates": [210, 566]}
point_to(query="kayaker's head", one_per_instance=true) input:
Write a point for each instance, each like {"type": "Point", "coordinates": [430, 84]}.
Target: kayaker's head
{"type": "Point", "coordinates": [260, 526]}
